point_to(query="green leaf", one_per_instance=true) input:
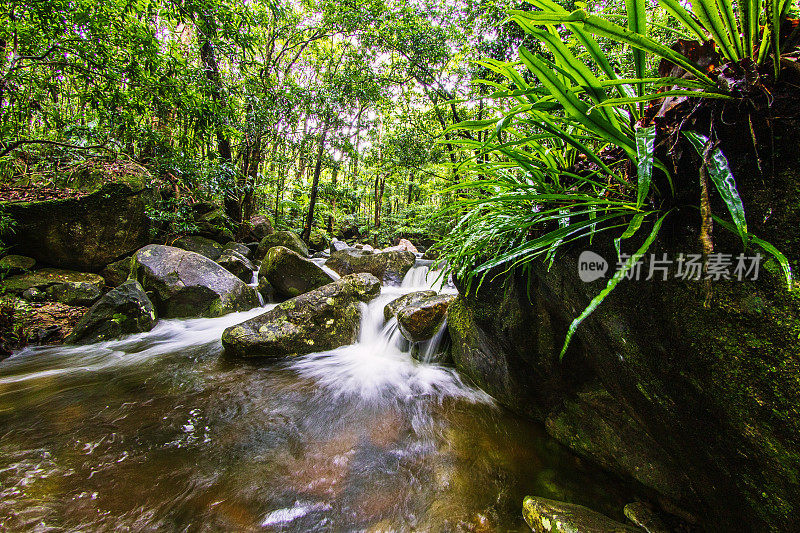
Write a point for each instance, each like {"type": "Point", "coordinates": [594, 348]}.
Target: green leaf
{"type": "Point", "coordinates": [630, 231]}
{"type": "Point", "coordinates": [720, 173]}
{"type": "Point", "coordinates": [684, 17]}
{"type": "Point", "coordinates": [612, 283]}
{"type": "Point", "coordinates": [637, 23]}
{"type": "Point", "coordinates": [645, 148]}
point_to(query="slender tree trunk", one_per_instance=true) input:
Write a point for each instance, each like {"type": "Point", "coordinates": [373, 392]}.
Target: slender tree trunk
{"type": "Point", "coordinates": [315, 183]}
{"type": "Point", "coordinates": [331, 218]}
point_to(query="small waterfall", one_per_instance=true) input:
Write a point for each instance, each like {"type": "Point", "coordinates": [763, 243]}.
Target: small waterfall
{"type": "Point", "coordinates": [254, 283]}
{"type": "Point", "coordinates": [428, 349]}
{"type": "Point", "coordinates": [320, 262]}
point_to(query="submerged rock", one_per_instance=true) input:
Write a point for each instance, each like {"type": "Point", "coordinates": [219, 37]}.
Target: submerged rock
{"type": "Point", "coordinates": [550, 516]}
{"type": "Point", "coordinates": [117, 273]}
{"type": "Point", "coordinates": [287, 239]}
{"type": "Point", "coordinates": [420, 320]}
{"type": "Point", "coordinates": [123, 310]}
{"type": "Point", "coordinates": [289, 274]}
{"type": "Point", "coordinates": [323, 319]}
{"type": "Point", "coordinates": [185, 284]}
{"type": "Point", "coordinates": [389, 267]}
{"type": "Point", "coordinates": [16, 264]}
{"type": "Point", "coordinates": [391, 309]}
{"type": "Point", "coordinates": [65, 286]}
{"type": "Point", "coordinates": [237, 264]}
{"type": "Point", "coordinates": [201, 245]}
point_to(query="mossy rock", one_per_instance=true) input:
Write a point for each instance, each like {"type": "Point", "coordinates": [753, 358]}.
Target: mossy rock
{"type": "Point", "coordinates": [93, 175]}
{"type": "Point", "coordinates": [391, 309]}
{"type": "Point", "coordinates": [185, 284]}
{"type": "Point", "coordinates": [323, 319]}
{"type": "Point", "coordinates": [16, 264]}
{"type": "Point", "coordinates": [550, 516]}
{"type": "Point", "coordinates": [420, 320]}
{"type": "Point", "coordinates": [117, 273]}
{"type": "Point", "coordinates": [123, 310]}
{"type": "Point", "coordinates": [291, 275]}
{"type": "Point", "coordinates": [389, 267]}
{"type": "Point", "coordinates": [201, 245]}
{"type": "Point", "coordinates": [52, 284]}
{"type": "Point", "coordinates": [287, 239]}
{"type": "Point", "coordinates": [237, 264]}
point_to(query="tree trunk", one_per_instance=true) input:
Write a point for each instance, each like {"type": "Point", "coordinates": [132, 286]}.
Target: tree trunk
{"type": "Point", "coordinates": [333, 205]}
{"type": "Point", "coordinates": [315, 183]}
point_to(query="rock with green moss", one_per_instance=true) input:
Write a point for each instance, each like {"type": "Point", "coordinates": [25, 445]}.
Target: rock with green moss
{"type": "Point", "coordinates": [185, 284]}
{"type": "Point", "coordinates": [123, 310]}
{"type": "Point", "coordinates": [287, 239]}
{"type": "Point", "coordinates": [291, 275]}
{"type": "Point", "coordinates": [318, 241]}
{"type": "Point", "coordinates": [85, 233]}
{"type": "Point", "coordinates": [242, 249]}
{"type": "Point", "coordinates": [420, 320]}
{"type": "Point", "coordinates": [117, 273]}
{"type": "Point", "coordinates": [237, 264]}
{"type": "Point", "coordinates": [551, 516]}
{"type": "Point", "coordinates": [643, 516]}
{"type": "Point", "coordinates": [323, 319]}
{"type": "Point", "coordinates": [391, 309]}
{"type": "Point", "coordinates": [16, 264]}
{"type": "Point", "coordinates": [56, 285]}
{"type": "Point", "coordinates": [389, 267]}
{"type": "Point", "coordinates": [201, 245]}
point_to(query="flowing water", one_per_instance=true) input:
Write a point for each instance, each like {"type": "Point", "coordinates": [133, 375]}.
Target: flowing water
{"type": "Point", "coordinates": [159, 431]}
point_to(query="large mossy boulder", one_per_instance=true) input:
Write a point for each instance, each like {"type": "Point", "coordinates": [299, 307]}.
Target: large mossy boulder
{"type": "Point", "coordinates": [56, 285]}
{"type": "Point", "coordinates": [11, 265]}
{"type": "Point", "coordinates": [287, 239]}
{"type": "Point", "coordinates": [323, 319]}
{"type": "Point", "coordinates": [186, 284]}
{"type": "Point", "coordinates": [211, 222]}
{"type": "Point", "coordinates": [258, 227]}
{"type": "Point", "coordinates": [421, 319]}
{"type": "Point", "coordinates": [117, 273]}
{"type": "Point", "coordinates": [390, 310]}
{"type": "Point", "coordinates": [83, 233]}
{"type": "Point", "coordinates": [550, 516]}
{"type": "Point", "coordinates": [291, 275]}
{"type": "Point", "coordinates": [389, 267]}
{"type": "Point", "coordinates": [201, 245]}
{"type": "Point", "coordinates": [121, 311]}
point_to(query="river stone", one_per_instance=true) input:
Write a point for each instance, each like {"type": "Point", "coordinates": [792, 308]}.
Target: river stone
{"type": "Point", "coordinates": [117, 273]}
{"type": "Point", "coordinates": [318, 241]}
{"type": "Point", "coordinates": [421, 320]}
{"type": "Point", "coordinates": [265, 288]}
{"type": "Point", "coordinates": [323, 319]}
{"type": "Point", "coordinates": [237, 264]}
{"type": "Point", "coordinates": [201, 245]}
{"type": "Point", "coordinates": [389, 267]}
{"type": "Point", "coordinates": [84, 233]}
{"type": "Point", "coordinates": [337, 245]}
{"type": "Point", "coordinates": [123, 310]}
{"type": "Point", "coordinates": [16, 264]}
{"type": "Point", "coordinates": [185, 284]}
{"type": "Point", "coordinates": [404, 246]}
{"type": "Point", "coordinates": [243, 249]}
{"type": "Point", "coordinates": [550, 516]}
{"type": "Point", "coordinates": [291, 274]}
{"type": "Point", "coordinates": [286, 239]}
{"type": "Point", "coordinates": [391, 309]}
{"type": "Point", "coordinates": [65, 286]}
{"type": "Point", "coordinates": [256, 228]}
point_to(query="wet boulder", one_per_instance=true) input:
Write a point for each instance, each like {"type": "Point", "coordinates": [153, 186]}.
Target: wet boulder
{"type": "Point", "coordinates": [185, 284]}
{"type": "Point", "coordinates": [323, 319]}
{"type": "Point", "coordinates": [291, 274]}
{"type": "Point", "coordinates": [201, 245]}
{"type": "Point", "coordinates": [421, 320]}
{"type": "Point", "coordinates": [404, 246]}
{"type": "Point", "coordinates": [256, 228]}
{"type": "Point", "coordinates": [550, 516]}
{"type": "Point", "coordinates": [337, 245]}
{"type": "Point", "coordinates": [237, 264]}
{"type": "Point", "coordinates": [391, 309]}
{"type": "Point", "coordinates": [16, 264]}
{"type": "Point", "coordinates": [389, 267]}
{"type": "Point", "coordinates": [265, 289]}
{"type": "Point", "coordinates": [318, 241]}
{"type": "Point", "coordinates": [117, 273]}
{"type": "Point", "coordinates": [287, 239]}
{"type": "Point", "coordinates": [52, 284]}
{"type": "Point", "coordinates": [121, 311]}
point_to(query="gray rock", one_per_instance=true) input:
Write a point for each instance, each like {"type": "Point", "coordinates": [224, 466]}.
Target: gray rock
{"type": "Point", "coordinates": [123, 310]}
{"type": "Point", "coordinates": [322, 319]}
{"type": "Point", "coordinates": [291, 274]}
{"type": "Point", "coordinates": [186, 284]}
{"type": "Point", "coordinates": [201, 245]}
{"type": "Point", "coordinates": [65, 286]}
{"type": "Point", "coordinates": [243, 249]}
{"type": "Point", "coordinates": [389, 267]}
{"type": "Point", "coordinates": [237, 264]}
{"type": "Point", "coordinates": [286, 239]}
{"type": "Point", "coordinates": [337, 245]}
